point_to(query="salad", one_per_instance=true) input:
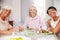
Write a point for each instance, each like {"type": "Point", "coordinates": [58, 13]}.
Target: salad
{"type": "Point", "coordinates": [46, 32]}
{"type": "Point", "coordinates": [20, 38]}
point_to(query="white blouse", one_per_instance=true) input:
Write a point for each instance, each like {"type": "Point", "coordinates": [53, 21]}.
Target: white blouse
{"type": "Point", "coordinates": [3, 24]}
{"type": "Point", "coordinates": [54, 23]}
{"type": "Point", "coordinates": [36, 22]}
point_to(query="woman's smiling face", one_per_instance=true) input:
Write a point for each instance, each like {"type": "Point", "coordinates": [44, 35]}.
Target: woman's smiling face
{"type": "Point", "coordinates": [32, 11]}
{"type": "Point", "coordinates": [5, 12]}
{"type": "Point", "coordinates": [52, 12]}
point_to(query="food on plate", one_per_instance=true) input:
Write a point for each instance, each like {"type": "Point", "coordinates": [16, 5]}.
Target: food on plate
{"type": "Point", "coordinates": [16, 38]}
{"type": "Point", "coordinates": [30, 33]}
{"type": "Point", "coordinates": [12, 39]}
{"type": "Point", "coordinates": [19, 38]}
{"type": "Point", "coordinates": [44, 31]}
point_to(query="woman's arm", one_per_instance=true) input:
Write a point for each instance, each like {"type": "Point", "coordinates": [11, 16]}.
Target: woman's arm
{"type": "Point", "coordinates": [49, 25]}
{"type": "Point", "coordinates": [54, 30]}
{"type": "Point", "coordinates": [10, 28]}
{"type": "Point", "coordinates": [57, 28]}
{"type": "Point", "coordinates": [7, 31]}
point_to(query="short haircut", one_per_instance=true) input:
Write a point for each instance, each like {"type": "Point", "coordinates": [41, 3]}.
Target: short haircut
{"type": "Point", "coordinates": [29, 10]}
{"type": "Point", "coordinates": [51, 7]}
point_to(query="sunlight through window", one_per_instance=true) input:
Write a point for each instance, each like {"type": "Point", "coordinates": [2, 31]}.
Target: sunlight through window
{"type": "Point", "coordinates": [40, 4]}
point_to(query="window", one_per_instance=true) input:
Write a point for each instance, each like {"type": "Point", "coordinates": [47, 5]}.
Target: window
{"type": "Point", "coordinates": [40, 4]}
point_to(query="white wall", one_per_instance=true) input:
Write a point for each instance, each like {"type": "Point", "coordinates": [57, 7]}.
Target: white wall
{"type": "Point", "coordinates": [48, 4]}
{"type": "Point", "coordinates": [16, 10]}
{"type": "Point", "coordinates": [57, 5]}
{"type": "Point", "coordinates": [40, 4]}
{"type": "Point", "coordinates": [25, 4]}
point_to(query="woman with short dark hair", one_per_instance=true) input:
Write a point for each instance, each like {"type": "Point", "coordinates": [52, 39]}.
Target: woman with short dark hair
{"type": "Point", "coordinates": [54, 22]}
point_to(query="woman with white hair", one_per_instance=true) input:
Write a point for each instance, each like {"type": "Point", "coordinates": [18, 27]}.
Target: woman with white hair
{"type": "Point", "coordinates": [35, 21]}
{"type": "Point", "coordinates": [5, 27]}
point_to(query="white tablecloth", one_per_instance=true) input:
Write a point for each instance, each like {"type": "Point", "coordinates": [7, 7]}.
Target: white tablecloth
{"type": "Point", "coordinates": [8, 37]}
{"type": "Point", "coordinates": [32, 36]}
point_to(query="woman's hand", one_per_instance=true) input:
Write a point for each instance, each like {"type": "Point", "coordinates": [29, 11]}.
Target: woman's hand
{"type": "Point", "coordinates": [51, 30]}
{"type": "Point", "coordinates": [38, 30]}
{"type": "Point", "coordinates": [20, 28]}
{"type": "Point", "coordinates": [5, 31]}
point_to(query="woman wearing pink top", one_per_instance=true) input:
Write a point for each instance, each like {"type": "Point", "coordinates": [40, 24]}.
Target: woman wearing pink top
{"type": "Point", "coordinates": [34, 22]}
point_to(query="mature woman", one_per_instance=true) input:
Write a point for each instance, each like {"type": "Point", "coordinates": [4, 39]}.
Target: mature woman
{"type": "Point", "coordinates": [34, 21]}
{"type": "Point", "coordinates": [5, 27]}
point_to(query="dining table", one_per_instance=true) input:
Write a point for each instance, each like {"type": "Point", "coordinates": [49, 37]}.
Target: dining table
{"type": "Point", "coordinates": [28, 35]}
